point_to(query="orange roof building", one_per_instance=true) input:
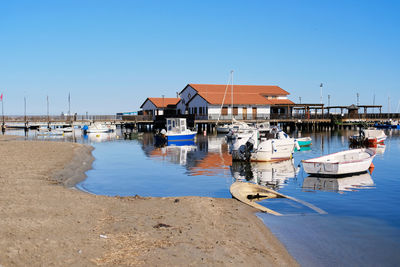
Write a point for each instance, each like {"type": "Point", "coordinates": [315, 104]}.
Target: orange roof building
{"type": "Point", "coordinates": [241, 101]}
{"type": "Point", "coordinates": [159, 105]}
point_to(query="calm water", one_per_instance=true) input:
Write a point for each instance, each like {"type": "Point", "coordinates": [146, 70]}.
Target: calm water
{"type": "Point", "coordinates": [362, 226]}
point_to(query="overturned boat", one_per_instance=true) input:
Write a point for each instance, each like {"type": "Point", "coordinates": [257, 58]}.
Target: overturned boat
{"type": "Point", "coordinates": [249, 194]}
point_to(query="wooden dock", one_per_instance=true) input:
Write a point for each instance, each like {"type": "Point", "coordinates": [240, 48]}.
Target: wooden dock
{"type": "Point", "coordinates": [150, 123]}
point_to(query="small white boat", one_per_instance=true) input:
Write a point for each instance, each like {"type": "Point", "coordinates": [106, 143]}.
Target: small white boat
{"type": "Point", "coordinates": [341, 163]}
{"type": "Point", "coordinates": [67, 129]}
{"type": "Point", "coordinates": [98, 127]}
{"type": "Point", "coordinates": [223, 128]}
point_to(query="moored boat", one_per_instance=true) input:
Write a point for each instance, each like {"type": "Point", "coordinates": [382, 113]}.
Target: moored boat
{"type": "Point", "coordinates": [177, 130]}
{"type": "Point", "coordinates": [304, 141]}
{"type": "Point", "coordinates": [98, 127]}
{"type": "Point", "coordinates": [264, 145]}
{"type": "Point", "coordinates": [368, 137]}
{"type": "Point", "coordinates": [341, 163]}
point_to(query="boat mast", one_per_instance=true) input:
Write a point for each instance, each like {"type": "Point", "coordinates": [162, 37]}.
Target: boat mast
{"type": "Point", "coordinates": [223, 99]}
{"type": "Point", "coordinates": [232, 94]}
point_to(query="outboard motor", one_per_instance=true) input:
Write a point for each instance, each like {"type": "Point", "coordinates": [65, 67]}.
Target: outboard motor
{"type": "Point", "coordinates": [246, 149]}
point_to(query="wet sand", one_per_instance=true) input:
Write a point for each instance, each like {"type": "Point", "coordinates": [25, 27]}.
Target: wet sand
{"type": "Point", "coordinates": [46, 222]}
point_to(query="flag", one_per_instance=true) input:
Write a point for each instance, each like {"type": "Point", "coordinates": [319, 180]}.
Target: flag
{"type": "Point", "coordinates": [1, 97]}
{"type": "Point", "coordinates": [321, 85]}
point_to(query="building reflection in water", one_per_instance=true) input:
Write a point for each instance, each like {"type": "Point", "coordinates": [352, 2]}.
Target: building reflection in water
{"type": "Point", "coordinates": [207, 156]}
{"type": "Point", "coordinates": [271, 174]}
{"type": "Point", "coordinates": [350, 183]}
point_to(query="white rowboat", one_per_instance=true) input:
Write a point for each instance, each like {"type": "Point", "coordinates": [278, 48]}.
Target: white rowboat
{"type": "Point", "coordinates": [341, 163]}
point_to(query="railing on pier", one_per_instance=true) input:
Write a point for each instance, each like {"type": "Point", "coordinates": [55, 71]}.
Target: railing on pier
{"type": "Point", "coordinates": [65, 118]}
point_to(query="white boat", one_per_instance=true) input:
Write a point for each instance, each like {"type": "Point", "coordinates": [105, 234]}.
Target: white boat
{"type": "Point", "coordinates": [223, 128]}
{"type": "Point", "coordinates": [264, 145]}
{"type": "Point", "coordinates": [98, 127]}
{"type": "Point", "coordinates": [67, 129]}
{"type": "Point", "coordinates": [350, 183]}
{"type": "Point", "coordinates": [341, 163]}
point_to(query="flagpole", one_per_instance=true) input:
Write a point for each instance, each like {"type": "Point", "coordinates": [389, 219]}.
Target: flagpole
{"type": "Point", "coordinates": [3, 127]}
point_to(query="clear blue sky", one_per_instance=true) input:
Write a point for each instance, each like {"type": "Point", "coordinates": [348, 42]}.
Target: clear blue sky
{"type": "Point", "coordinates": [111, 55]}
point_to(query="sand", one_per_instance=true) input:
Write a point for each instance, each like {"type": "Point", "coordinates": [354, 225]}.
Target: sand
{"type": "Point", "coordinates": [44, 221]}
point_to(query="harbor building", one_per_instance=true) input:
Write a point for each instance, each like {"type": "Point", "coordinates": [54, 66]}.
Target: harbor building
{"type": "Point", "coordinates": [159, 106]}
{"type": "Point", "coordinates": [243, 102]}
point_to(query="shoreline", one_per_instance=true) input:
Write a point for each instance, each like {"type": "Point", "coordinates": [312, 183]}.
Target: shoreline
{"type": "Point", "coordinates": [54, 225]}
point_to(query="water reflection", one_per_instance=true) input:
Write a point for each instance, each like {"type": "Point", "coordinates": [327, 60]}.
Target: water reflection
{"type": "Point", "coordinates": [271, 174]}
{"type": "Point", "coordinates": [351, 183]}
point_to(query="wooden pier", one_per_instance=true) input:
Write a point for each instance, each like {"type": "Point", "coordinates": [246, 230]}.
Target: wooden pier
{"type": "Point", "coordinates": [150, 123]}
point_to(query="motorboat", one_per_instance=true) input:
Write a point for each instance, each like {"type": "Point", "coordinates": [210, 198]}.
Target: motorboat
{"type": "Point", "coordinates": [67, 129]}
{"type": "Point", "coordinates": [223, 128]}
{"type": "Point", "coordinates": [368, 137]}
{"type": "Point", "coordinates": [97, 127]}
{"type": "Point", "coordinates": [264, 145]}
{"type": "Point", "coordinates": [177, 130]}
{"type": "Point", "coordinates": [348, 183]}
{"type": "Point", "coordinates": [341, 163]}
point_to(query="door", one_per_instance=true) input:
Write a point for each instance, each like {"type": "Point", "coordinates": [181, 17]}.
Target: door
{"type": "Point", "coordinates": [254, 113]}
{"type": "Point", "coordinates": [244, 113]}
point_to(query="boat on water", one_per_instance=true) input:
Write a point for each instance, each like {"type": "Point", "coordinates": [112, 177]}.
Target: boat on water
{"type": "Point", "coordinates": [97, 127]}
{"type": "Point", "coordinates": [264, 145]}
{"type": "Point", "coordinates": [67, 129]}
{"type": "Point", "coordinates": [250, 194]}
{"type": "Point", "coordinates": [346, 162]}
{"type": "Point", "coordinates": [304, 141]}
{"type": "Point", "coordinates": [176, 131]}
{"type": "Point", "coordinates": [368, 137]}
{"type": "Point", "coordinates": [388, 125]}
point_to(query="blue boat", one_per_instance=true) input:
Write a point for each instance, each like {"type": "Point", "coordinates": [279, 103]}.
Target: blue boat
{"type": "Point", "coordinates": [386, 126]}
{"type": "Point", "coordinates": [177, 130]}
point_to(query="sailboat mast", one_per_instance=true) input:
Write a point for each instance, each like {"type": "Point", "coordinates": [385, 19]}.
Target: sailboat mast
{"type": "Point", "coordinates": [232, 94]}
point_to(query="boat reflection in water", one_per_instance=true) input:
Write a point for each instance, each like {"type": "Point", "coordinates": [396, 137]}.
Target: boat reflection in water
{"type": "Point", "coordinates": [175, 152]}
{"type": "Point", "coordinates": [349, 183]}
{"type": "Point", "coordinates": [100, 137]}
{"type": "Point", "coordinates": [379, 149]}
{"type": "Point", "coordinates": [271, 174]}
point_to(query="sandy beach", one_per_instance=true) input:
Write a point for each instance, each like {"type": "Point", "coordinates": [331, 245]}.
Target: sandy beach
{"type": "Point", "coordinates": [46, 222]}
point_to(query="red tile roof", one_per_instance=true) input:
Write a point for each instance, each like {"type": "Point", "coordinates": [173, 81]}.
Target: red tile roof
{"type": "Point", "coordinates": [258, 89]}
{"type": "Point", "coordinates": [242, 94]}
{"type": "Point", "coordinates": [160, 102]}
{"type": "Point", "coordinates": [241, 99]}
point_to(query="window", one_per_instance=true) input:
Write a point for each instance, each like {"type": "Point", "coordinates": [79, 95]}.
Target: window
{"type": "Point", "coordinates": [235, 110]}
{"type": "Point", "coordinates": [224, 111]}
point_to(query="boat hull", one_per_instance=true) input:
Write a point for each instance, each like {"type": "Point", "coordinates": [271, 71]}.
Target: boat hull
{"type": "Point", "coordinates": [304, 141]}
{"type": "Point", "coordinates": [180, 137]}
{"type": "Point", "coordinates": [322, 167]}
